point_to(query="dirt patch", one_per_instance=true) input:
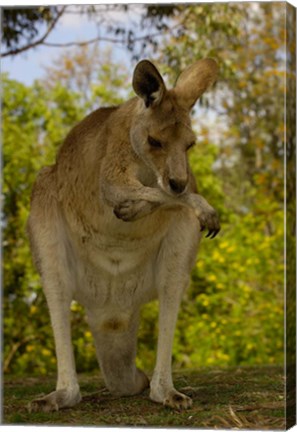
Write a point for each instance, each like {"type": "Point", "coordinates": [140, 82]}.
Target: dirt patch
{"type": "Point", "coordinates": [237, 398]}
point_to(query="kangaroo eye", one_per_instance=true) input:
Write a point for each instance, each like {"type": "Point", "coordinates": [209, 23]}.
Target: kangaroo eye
{"type": "Point", "coordinates": [153, 142]}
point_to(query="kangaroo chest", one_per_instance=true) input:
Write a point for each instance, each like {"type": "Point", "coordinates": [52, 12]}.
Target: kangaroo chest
{"type": "Point", "coordinates": [117, 264]}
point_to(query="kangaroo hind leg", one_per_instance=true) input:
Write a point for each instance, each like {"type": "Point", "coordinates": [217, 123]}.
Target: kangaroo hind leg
{"type": "Point", "coordinates": [49, 242]}
{"type": "Point", "coordinates": [115, 345]}
{"type": "Point", "coordinates": [67, 393]}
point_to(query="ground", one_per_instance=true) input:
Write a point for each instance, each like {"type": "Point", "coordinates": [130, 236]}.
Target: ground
{"type": "Point", "coordinates": [238, 398]}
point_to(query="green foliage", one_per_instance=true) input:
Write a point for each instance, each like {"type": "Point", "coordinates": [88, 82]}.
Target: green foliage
{"type": "Point", "coordinates": [235, 305]}
{"type": "Point", "coordinates": [103, 84]}
{"type": "Point", "coordinates": [35, 123]}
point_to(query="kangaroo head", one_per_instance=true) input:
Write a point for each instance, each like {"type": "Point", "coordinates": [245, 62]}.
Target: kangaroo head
{"type": "Point", "coordinates": [161, 130]}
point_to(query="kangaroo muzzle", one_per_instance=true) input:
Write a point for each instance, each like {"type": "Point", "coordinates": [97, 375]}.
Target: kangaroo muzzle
{"type": "Point", "coordinates": [177, 186]}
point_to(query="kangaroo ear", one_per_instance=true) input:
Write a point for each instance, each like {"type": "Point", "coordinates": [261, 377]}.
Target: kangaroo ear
{"type": "Point", "coordinates": [194, 80]}
{"type": "Point", "coordinates": [148, 83]}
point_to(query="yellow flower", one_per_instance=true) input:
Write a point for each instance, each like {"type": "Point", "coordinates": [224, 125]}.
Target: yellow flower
{"type": "Point", "coordinates": [246, 289]}
{"type": "Point", "coordinates": [213, 324]}
{"type": "Point", "coordinates": [46, 352]}
{"type": "Point", "coordinates": [33, 309]}
{"type": "Point", "coordinates": [223, 245]}
{"type": "Point", "coordinates": [73, 306]}
{"type": "Point", "coordinates": [30, 348]}
{"type": "Point", "coordinates": [200, 264]}
{"type": "Point", "coordinates": [215, 254]}
{"type": "Point", "coordinates": [223, 356]}
{"type": "Point", "coordinates": [212, 278]}
{"type": "Point", "coordinates": [230, 249]}
{"type": "Point", "coordinates": [242, 84]}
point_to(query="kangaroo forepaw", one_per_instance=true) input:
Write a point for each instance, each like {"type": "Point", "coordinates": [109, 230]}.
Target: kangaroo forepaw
{"type": "Point", "coordinates": [131, 210]}
{"type": "Point", "coordinates": [209, 220]}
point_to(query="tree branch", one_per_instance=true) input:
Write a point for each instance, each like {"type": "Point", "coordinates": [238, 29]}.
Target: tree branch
{"type": "Point", "coordinates": [38, 41]}
{"type": "Point", "coordinates": [14, 350]}
{"type": "Point", "coordinates": [90, 41]}
{"type": "Point", "coordinates": [106, 39]}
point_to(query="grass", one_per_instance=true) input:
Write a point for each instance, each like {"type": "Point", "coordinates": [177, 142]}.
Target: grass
{"type": "Point", "coordinates": [238, 398]}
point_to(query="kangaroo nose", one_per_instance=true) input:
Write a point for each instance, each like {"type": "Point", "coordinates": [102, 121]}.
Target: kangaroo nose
{"type": "Point", "coordinates": [177, 186]}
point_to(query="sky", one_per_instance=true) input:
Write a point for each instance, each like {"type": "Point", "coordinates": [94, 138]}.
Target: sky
{"type": "Point", "coordinates": [28, 66]}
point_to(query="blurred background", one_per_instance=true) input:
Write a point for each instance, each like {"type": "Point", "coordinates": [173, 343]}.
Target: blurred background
{"type": "Point", "coordinates": [61, 62]}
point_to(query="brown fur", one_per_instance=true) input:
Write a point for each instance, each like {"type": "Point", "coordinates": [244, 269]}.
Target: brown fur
{"type": "Point", "coordinates": [115, 223]}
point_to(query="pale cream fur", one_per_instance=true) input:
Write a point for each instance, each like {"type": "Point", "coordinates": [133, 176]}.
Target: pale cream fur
{"type": "Point", "coordinates": [116, 223]}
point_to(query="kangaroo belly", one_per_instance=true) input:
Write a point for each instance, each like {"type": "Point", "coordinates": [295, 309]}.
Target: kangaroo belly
{"type": "Point", "coordinates": [119, 248]}
{"type": "Point", "coordinates": [116, 266]}
{"type": "Point", "coordinates": [116, 276]}
{"type": "Point", "coordinates": [115, 288]}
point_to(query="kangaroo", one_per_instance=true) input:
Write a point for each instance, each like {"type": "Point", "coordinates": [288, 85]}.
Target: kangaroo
{"type": "Point", "coordinates": [115, 223]}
